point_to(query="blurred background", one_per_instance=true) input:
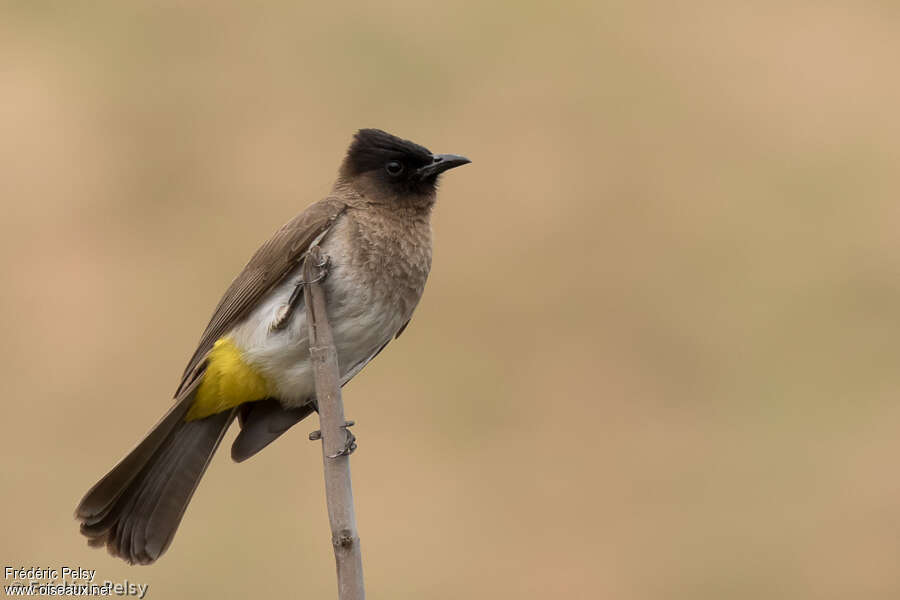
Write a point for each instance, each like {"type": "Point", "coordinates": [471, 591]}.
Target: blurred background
{"type": "Point", "coordinates": [658, 352]}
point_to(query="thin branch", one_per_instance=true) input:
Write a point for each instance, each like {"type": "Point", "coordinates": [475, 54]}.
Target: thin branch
{"type": "Point", "coordinates": [338, 488]}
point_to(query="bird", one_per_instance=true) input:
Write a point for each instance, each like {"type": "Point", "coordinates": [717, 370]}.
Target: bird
{"type": "Point", "coordinates": [252, 362]}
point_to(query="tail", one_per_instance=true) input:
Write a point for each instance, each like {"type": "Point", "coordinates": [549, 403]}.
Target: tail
{"type": "Point", "coordinates": [136, 508]}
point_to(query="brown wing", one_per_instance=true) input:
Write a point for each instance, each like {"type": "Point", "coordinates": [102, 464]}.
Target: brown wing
{"type": "Point", "coordinates": [267, 267]}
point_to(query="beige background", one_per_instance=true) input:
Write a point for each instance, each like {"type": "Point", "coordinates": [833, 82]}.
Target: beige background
{"type": "Point", "coordinates": [658, 353]}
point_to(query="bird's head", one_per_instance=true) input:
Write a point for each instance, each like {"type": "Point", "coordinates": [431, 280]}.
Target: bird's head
{"type": "Point", "coordinates": [386, 168]}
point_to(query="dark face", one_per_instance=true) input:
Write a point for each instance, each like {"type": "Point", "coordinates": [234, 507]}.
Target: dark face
{"type": "Point", "coordinates": [397, 166]}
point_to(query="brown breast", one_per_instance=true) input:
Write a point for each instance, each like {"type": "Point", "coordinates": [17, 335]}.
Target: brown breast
{"type": "Point", "coordinates": [387, 253]}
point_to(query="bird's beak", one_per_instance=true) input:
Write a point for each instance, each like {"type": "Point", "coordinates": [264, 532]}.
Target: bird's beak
{"type": "Point", "coordinates": [441, 163]}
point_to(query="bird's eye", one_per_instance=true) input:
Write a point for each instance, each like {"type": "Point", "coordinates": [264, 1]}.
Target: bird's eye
{"type": "Point", "coordinates": [394, 168]}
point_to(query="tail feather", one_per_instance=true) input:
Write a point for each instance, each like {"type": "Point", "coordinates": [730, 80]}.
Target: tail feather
{"type": "Point", "coordinates": [178, 488]}
{"type": "Point", "coordinates": [103, 495]}
{"type": "Point", "coordinates": [136, 508]}
{"type": "Point", "coordinates": [100, 498]}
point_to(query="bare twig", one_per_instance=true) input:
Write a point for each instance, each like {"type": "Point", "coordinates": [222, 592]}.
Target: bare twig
{"type": "Point", "coordinates": [338, 489]}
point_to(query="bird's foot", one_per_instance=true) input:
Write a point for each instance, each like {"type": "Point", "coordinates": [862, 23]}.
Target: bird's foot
{"type": "Point", "coordinates": [324, 261]}
{"type": "Point", "coordinates": [286, 310]}
{"type": "Point", "coordinates": [349, 441]}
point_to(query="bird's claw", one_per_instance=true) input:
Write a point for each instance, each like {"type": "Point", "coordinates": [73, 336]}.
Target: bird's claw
{"type": "Point", "coordinates": [322, 265]}
{"type": "Point", "coordinates": [286, 310]}
{"type": "Point", "coordinates": [349, 441]}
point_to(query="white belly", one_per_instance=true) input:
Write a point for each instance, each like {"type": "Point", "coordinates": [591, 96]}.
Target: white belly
{"type": "Point", "coordinates": [361, 324]}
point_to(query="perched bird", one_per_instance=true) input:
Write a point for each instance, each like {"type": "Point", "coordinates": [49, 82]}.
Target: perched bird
{"type": "Point", "coordinates": [252, 361]}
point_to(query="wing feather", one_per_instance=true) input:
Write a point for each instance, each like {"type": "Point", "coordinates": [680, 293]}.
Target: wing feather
{"type": "Point", "coordinates": [268, 266]}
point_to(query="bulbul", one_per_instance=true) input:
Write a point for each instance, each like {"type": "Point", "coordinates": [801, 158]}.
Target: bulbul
{"type": "Point", "coordinates": [252, 362]}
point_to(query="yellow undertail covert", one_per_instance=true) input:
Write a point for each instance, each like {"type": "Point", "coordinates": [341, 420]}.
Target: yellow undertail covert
{"type": "Point", "coordinates": [228, 381]}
